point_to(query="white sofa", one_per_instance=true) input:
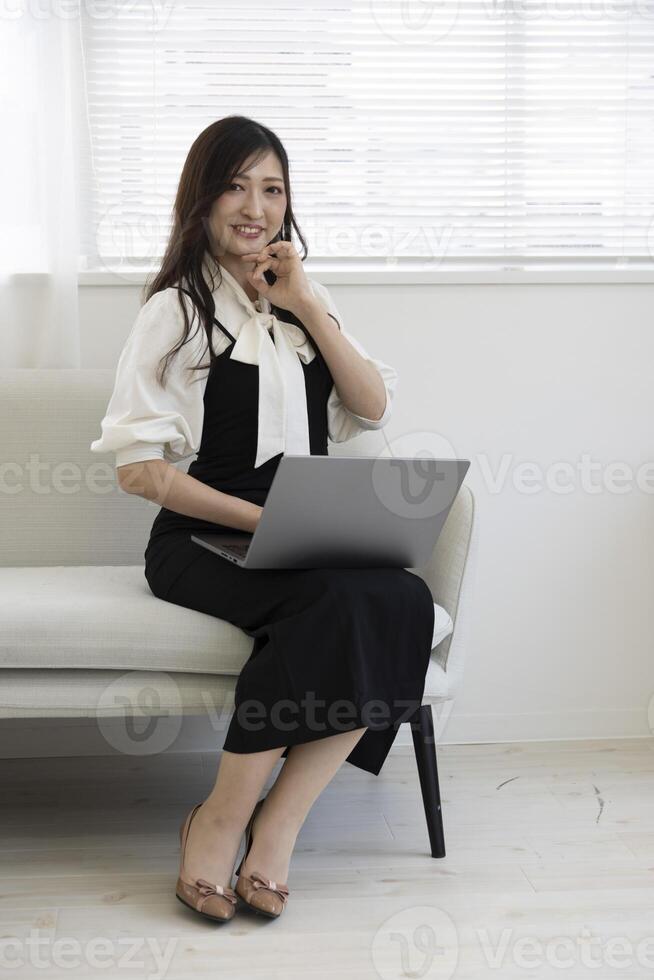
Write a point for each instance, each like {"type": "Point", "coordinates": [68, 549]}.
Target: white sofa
{"type": "Point", "coordinates": [72, 558]}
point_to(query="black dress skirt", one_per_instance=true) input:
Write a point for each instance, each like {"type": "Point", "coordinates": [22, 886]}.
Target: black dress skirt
{"type": "Point", "coordinates": [334, 649]}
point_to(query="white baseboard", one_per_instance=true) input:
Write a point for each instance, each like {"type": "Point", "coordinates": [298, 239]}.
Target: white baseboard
{"type": "Point", "coordinates": [51, 737]}
{"type": "Point", "coordinates": [458, 729]}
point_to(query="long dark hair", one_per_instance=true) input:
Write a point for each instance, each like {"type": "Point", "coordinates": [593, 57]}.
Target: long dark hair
{"type": "Point", "coordinates": [213, 161]}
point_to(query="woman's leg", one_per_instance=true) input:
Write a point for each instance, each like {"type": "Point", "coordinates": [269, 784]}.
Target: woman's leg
{"type": "Point", "coordinates": [308, 769]}
{"type": "Point", "coordinates": [218, 825]}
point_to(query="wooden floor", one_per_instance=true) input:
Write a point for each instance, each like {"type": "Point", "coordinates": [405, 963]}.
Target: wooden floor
{"type": "Point", "coordinates": [550, 860]}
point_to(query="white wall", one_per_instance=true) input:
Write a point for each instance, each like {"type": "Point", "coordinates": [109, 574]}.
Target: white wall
{"type": "Point", "coordinates": [563, 639]}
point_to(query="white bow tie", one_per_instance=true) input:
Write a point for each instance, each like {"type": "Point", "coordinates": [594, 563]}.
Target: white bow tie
{"type": "Point", "coordinates": [283, 424]}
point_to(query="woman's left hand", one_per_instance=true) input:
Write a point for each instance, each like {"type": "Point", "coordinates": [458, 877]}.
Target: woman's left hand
{"type": "Point", "coordinates": [291, 290]}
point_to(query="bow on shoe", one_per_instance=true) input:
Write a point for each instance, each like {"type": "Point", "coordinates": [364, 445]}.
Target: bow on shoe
{"type": "Point", "coordinates": [260, 881]}
{"type": "Point", "coordinates": [206, 889]}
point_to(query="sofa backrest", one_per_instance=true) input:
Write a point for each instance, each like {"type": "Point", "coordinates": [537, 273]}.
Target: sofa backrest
{"type": "Point", "coordinates": [60, 504]}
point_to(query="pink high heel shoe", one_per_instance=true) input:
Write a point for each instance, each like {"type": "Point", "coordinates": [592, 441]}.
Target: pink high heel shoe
{"type": "Point", "coordinates": [260, 893]}
{"type": "Point", "coordinates": [212, 901]}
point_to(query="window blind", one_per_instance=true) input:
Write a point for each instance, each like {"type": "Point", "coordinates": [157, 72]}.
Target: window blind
{"type": "Point", "coordinates": [440, 132]}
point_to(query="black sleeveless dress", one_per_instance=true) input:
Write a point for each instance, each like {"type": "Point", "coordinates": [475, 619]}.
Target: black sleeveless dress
{"type": "Point", "coordinates": [334, 649]}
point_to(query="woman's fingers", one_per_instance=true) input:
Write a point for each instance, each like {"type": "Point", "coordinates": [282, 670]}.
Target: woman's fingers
{"type": "Point", "coordinates": [260, 268]}
{"type": "Point", "coordinates": [281, 263]}
{"type": "Point", "coordinates": [285, 249]}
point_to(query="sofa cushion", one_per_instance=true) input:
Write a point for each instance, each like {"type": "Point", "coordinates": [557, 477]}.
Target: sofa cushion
{"type": "Point", "coordinates": [106, 617]}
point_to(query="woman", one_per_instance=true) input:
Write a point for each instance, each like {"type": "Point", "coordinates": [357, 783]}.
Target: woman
{"type": "Point", "coordinates": [324, 639]}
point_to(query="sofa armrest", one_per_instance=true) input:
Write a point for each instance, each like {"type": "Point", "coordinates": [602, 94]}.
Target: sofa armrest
{"type": "Point", "coordinates": [451, 574]}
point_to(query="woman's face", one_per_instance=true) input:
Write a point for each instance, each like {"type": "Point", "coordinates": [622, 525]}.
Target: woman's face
{"type": "Point", "coordinates": [257, 198]}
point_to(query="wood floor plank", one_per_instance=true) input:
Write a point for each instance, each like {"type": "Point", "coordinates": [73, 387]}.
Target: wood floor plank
{"type": "Point", "coordinates": [544, 840]}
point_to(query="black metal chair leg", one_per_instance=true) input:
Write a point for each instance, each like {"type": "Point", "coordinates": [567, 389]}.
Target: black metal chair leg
{"type": "Point", "coordinates": [424, 744]}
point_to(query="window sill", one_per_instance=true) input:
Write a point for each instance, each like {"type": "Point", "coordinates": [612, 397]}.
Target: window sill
{"type": "Point", "coordinates": [357, 272]}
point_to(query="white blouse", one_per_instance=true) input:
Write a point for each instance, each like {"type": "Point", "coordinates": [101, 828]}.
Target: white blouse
{"type": "Point", "coordinates": [145, 421]}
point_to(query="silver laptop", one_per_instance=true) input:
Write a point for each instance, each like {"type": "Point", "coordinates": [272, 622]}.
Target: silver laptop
{"type": "Point", "coordinates": [347, 512]}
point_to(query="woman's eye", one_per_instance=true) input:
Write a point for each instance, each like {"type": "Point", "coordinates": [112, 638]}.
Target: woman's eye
{"type": "Point", "coordinates": [231, 186]}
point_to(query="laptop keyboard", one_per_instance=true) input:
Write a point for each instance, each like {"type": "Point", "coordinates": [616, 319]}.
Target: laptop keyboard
{"type": "Point", "coordinates": [240, 550]}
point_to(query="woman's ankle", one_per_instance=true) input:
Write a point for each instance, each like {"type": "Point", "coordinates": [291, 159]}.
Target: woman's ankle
{"type": "Point", "coordinates": [273, 861]}
{"type": "Point", "coordinates": [220, 824]}
{"type": "Point", "coordinates": [279, 821]}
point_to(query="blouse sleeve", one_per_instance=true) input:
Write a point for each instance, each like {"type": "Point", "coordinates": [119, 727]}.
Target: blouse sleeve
{"type": "Point", "coordinates": [343, 424]}
{"type": "Point", "coordinates": [144, 420]}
